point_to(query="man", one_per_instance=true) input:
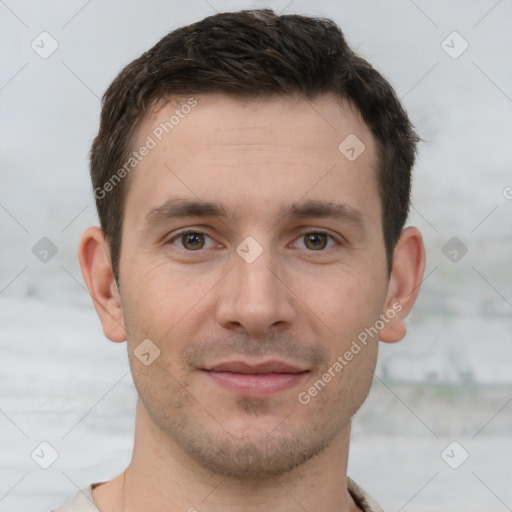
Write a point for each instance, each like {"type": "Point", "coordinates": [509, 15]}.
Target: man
{"type": "Point", "coordinates": [252, 178]}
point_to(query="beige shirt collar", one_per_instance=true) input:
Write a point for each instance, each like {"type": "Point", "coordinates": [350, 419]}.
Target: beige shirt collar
{"type": "Point", "coordinates": [82, 501]}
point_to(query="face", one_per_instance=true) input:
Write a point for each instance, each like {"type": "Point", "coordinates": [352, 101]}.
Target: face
{"type": "Point", "coordinates": [253, 257]}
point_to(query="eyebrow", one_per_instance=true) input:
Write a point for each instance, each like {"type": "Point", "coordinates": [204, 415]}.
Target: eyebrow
{"type": "Point", "coordinates": [325, 209]}
{"type": "Point", "coordinates": [181, 207]}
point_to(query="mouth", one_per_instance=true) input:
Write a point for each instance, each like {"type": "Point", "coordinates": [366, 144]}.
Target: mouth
{"type": "Point", "coordinates": [258, 380]}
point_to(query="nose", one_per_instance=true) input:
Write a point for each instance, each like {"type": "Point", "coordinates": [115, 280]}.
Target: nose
{"type": "Point", "coordinates": [256, 296]}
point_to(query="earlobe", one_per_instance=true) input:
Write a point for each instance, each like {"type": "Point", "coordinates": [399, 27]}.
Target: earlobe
{"type": "Point", "coordinates": [404, 284]}
{"type": "Point", "coordinates": [93, 255]}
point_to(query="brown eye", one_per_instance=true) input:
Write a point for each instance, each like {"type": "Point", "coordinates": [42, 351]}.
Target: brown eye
{"type": "Point", "coordinates": [316, 241]}
{"type": "Point", "coordinates": [192, 241]}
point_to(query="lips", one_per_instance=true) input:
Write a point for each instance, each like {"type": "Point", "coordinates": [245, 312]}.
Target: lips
{"type": "Point", "coordinates": [256, 380]}
{"type": "Point", "coordinates": [259, 368]}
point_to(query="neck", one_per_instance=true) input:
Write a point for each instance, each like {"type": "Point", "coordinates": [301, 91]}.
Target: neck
{"type": "Point", "coordinates": [161, 478]}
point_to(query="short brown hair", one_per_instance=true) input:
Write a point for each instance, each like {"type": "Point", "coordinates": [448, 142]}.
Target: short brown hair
{"type": "Point", "coordinates": [253, 54]}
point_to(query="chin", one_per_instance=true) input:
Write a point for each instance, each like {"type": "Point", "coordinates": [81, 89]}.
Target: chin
{"type": "Point", "coordinates": [254, 456]}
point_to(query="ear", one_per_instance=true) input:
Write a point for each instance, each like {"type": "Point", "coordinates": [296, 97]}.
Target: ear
{"type": "Point", "coordinates": [94, 257]}
{"type": "Point", "coordinates": [404, 283]}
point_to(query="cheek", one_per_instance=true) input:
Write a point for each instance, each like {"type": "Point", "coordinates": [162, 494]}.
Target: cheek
{"type": "Point", "coordinates": [160, 297]}
{"type": "Point", "coordinates": [346, 304]}
{"type": "Point", "coordinates": [162, 390]}
{"type": "Point", "coordinates": [168, 308]}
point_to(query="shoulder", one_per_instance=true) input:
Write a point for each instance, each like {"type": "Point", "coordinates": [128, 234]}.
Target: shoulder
{"type": "Point", "coordinates": [81, 501]}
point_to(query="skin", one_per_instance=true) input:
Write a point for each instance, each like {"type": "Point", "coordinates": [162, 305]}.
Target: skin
{"type": "Point", "coordinates": [303, 300]}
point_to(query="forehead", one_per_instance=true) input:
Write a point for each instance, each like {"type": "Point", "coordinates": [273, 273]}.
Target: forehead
{"type": "Point", "coordinates": [325, 122]}
{"type": "Point", "coordinates": [254, 153]}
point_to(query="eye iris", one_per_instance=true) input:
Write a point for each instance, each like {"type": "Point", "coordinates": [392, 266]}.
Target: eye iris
{"type": "Point", "coordinates": [193, 241]}
{"type": "Point", "coordinates": [316, 241]}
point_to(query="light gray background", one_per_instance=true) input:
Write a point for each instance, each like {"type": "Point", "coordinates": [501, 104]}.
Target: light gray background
{"type": "Point", "coordinates": [450, 380]}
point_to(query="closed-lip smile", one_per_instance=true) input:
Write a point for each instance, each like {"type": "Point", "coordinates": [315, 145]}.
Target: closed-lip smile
{"type": "Point", "coordinates": [257, 380]}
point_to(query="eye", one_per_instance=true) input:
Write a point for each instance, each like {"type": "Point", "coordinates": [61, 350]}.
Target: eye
{"type": "Point", "coordinates": [192, 241]}
{"type": "Point", "coordinates": [316, 241]}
